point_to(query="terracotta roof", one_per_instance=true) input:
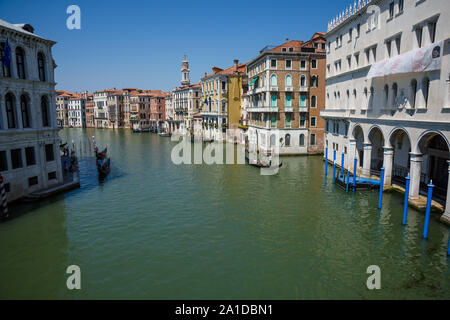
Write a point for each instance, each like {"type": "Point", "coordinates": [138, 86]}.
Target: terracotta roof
{"type": "Point", "coordinates": [228, 71]}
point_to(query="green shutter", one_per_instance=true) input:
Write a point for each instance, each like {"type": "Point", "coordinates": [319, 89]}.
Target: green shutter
{"type": "Point", "coordinates": [302, 100]}
{"type": "Point", "coordinates": [273, 100]}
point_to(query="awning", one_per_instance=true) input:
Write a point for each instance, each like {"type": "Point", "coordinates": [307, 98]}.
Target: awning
{"type": "Point", "coordinates": [253, 81]}
{"type": "Point", "coordinates": [417, 60]}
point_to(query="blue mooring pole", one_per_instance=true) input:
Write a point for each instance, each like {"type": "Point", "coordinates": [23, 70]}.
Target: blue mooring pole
{"type": "Point", "coordinates": [380, 199]}
{"type": "Point", "coordinates": [348, 180]}
{"type": "Point", "coordinates": [326, 161]}
{"type": "Point", "coordinates": [427, 213]}
{"type": "Point", "coordinates": [342, 165]}
{"type": "Point", "coordinates": [448, 250]}
{"type": "Point", "coordinates": [405, 206]}
{"type": "Point", "coordinates": [334, 165]}
{"type": "Point", "coordinates": [354, 174]}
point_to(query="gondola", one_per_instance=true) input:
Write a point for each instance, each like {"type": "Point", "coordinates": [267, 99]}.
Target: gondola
{"type": "Point", "coordinates": [103, 162]}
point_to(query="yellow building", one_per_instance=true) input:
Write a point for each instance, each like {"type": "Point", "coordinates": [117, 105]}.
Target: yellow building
{"type": "Point", "coordinates": [221, 100]}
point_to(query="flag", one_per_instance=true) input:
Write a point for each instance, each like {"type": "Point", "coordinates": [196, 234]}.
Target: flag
{"type": "Point", "coordinates": [206, 101]}
{"type": "Point", "coordinates": [6, 54]}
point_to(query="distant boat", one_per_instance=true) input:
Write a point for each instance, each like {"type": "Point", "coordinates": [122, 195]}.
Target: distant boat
{"type": "Point", "coordinates": [137, 131]}
{"type": "Point", "coordinates": [164, 134]}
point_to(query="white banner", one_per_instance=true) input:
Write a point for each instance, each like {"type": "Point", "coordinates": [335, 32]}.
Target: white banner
{"type": "Point", "coordinates": [417, 60]}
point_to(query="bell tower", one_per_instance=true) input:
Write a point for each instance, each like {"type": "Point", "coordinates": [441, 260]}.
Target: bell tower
{"type": "Point", "coordinates": [185, 72]}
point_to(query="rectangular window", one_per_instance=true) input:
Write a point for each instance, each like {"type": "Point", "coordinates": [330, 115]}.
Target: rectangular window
{"type": "Point", "coordinates": [358, 29]}
{"type": "Point", "coordinates": [388, 48]}
{"type": "Point", "coordinates": [303, 65]}
{"type": "Point", "coordinates": [49, 155]}
{"type": "Point", "coordinates": [52, 175]}
{"type": "Point", "coordinates": [283, 49]}
{"type": "Point", "coordinates": [432, 31]}
{"type": "Point", "coordinates": [288, 64]}
{"type": "Point", "coordinates": [313, 121]}
{"type": "Point", "coordinates": [400, 5]}
{"type": "Point", "coordinates": [273, 100]}
{"type": "Point", "coordinates": [32, 181]}
{"type": "Point", "coordinates": [302, 100]}
{"type": "Point", "coordinates": [288, 120]}
{"type": "Point", "coordinates": [291, 49]}
{"type": "Point", "coordinates": [419, 37]}
{"type": "Point", "coordinates": [313, 139]}
{"type": "Point", "coordinates": [398, 42]}
{"type": "Point", "coordinates": [16, 158]}
{"type": "Point", "coordinates": [357, 59]}
{"type": "Point", "coordinates": [273, 120]}
{"type": "Point", "coordinates": [302, 120]}
{"type": "Point", "coordinates": [273, 63]}
{"type": "Point", "coordinates": [3, 161]}
{"type": "Point", "coordinates": [30, 156]}
{"type": "Point", "coordinates": [391, 10]}
{"type": "Point", "coordinates": [314, 64]}
{"type": "Point", "coordinates": [288, 100]}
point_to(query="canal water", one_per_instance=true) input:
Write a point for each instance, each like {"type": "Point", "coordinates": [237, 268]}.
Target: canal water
{"type": "Point", "coordinates": [155, 230]}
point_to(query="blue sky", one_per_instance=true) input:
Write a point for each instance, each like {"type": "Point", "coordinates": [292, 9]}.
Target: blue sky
{"type": "Point", "coordinates": [141, 43]}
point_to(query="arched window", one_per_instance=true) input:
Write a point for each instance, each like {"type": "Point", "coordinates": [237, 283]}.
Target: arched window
{"type": "Point", "coordinates": [41, 66]}
{"type": "Point", "coordinates": [20, 61]}
{"type": "Point", "coordinates": [301, 140]}
{"type": "Point", "coordinates": [25, 111]}
{"type": "Point", "coordinates": [302, 81]}
{"type": "Point", "coordinates": [272, 140]}
{"type": "Point", "coordinates": [313, 102]}
{"type": "Point", "coordinates": [371, 97]}
{"type": "Point", "coordinates": [386, 95]}
{"type": "Point", "coordinates": [10, 110]}
{"type": "Point", "coordinates": [288, 80]}
{"type": "Point", "coordinates": [273, 80]}
{"type": "Point", "coordinates": [44, 112]}
{"type": "Point", "coordinates": [288, 140]}
{"type": "Point", "coordinates": [6, 70]}
{"type": "Point", "coordinates": [394, 94]}
{"type": "Point", "coordinates": [426, 90]}
{"type": "Point", "coordinates": [413, 92]}
{"type": "Point", "coordinates": [348, 99]}
{"type": "Point", "coordinates": [314, 81]}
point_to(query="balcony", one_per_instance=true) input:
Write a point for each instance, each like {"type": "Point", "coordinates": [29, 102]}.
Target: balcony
{"type": "Point", "coordinates": [304, 89]}
{"type": "Point", "coordinates": [273, 88]}
{"type": "Point", "coordinates": [288, 89]}
{"type": "Point", "coordinates": [303, 109]}
{"type": "Point", "coordinates": [262, 109]}
{"type": "Point", "coordinates": [288, 109]}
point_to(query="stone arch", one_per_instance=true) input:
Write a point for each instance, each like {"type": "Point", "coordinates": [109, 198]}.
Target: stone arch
{"type": "Point", "coordinates": [401, 143]}
{"type": "Point", "coordinates": [376, 139]}
{"type": "Point", "coordinates": [359, 137]}
{"type": "Point", "coordinates": [434, 147]}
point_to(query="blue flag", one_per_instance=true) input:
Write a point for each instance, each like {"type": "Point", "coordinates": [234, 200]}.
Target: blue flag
{"type": "Point", "coordinates": [206, 101]}
{"type": "Point", "coordinates": [6, 54]}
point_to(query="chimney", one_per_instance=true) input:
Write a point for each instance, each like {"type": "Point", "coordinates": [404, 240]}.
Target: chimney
{"type": "Point", "coordinates": [287, 39]}
{"type": "Point", "coordinates": [236, 63]}
{"type": "Point", "coordinates": [205, 74]}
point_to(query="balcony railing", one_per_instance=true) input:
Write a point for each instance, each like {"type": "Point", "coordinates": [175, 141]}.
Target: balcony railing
{"type": "Point", "coordinates": [303, 109]}
{"type": "Point", "coordinates": [288, 89]}
{"type": "Point", "coordinates": [304, 89]}
{"type": "Point", "coordinates": [262, 109]}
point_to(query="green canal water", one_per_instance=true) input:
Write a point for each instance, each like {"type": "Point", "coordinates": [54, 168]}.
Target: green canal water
{"type": "Point", "coordinates": [155, 230]}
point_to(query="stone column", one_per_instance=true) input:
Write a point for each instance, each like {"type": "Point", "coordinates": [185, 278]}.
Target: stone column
{"type": "Point", "coordinates": [367, 159]}
{"type": "Point", "coordinates": [415, 170]}
{"type": "Point", "coordinates": [388, 160]}
{"type": "Point", "coordinates": [446, 216]}
{"type": "Point", "coordinates": [351, 154]}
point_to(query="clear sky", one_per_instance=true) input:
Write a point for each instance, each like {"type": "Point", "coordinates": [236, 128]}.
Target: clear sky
{"type": "Point", "coordinates": [141, 44]}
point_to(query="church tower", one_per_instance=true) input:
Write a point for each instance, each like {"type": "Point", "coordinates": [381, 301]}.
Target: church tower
{"type": "Point", "coordinates": [185, 72]}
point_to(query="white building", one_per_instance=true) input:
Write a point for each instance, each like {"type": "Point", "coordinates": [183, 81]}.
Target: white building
{"type": "Point", "coordinates": [77, 112]}
{"type": "Point", "coordinates": [388, 94]}
{"type": "Point", "coordinates": [29, 141]}
{"type": "Point", "coordinates": [101, 112]}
